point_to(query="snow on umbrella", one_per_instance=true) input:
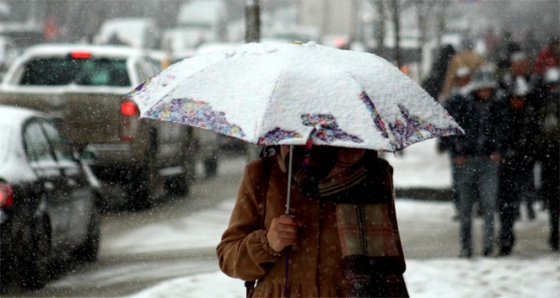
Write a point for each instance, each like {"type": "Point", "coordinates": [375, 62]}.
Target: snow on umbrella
{"type": "Point", "coordinates": [271, 94]}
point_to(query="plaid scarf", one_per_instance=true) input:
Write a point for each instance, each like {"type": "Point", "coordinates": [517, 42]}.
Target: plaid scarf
{"type": "Point", "coordinates": [371, 254]}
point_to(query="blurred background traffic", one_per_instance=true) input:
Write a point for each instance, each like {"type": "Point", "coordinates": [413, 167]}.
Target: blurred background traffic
{"type": "Point", "coordinates": [409, 33]}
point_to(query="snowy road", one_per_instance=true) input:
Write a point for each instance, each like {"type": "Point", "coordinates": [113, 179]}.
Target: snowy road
{"type": "Point", "coordinates": [141, 249]}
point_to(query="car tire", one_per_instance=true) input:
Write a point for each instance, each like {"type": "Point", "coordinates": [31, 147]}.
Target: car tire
{"type": "Point", "coordinates": [89, 250]}
{"type": "Point", "coordinates": [179, 185]}
{"type": "Point", "coordinates": [142, 180]}
{"type": "Point", "coordinates": [139, 189]}
{"type": "Point", "coordinates": [211, 166]}
{"type": "Point", "coordinates": [35, 271]}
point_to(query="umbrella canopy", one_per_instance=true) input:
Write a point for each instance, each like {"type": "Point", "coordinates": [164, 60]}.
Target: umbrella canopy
{"type": "Point", "coordinates": [271, 94]}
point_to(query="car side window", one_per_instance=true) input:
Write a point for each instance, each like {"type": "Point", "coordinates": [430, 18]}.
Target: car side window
{"type": "Point", "coordinates": [145, 69]}
{"type": "Point", "coordinates": [62, 150]}
{"type": "Point", "coordinates": [36, 144]}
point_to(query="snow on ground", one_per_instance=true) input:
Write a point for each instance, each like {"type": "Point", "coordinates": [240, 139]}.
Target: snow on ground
{"type": "Point", "coordinates": [514, 276]}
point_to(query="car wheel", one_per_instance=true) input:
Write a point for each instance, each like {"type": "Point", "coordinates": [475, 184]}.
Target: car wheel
{"type": "Point", "coordinates": [180, 185]}
{"type": "Point", "coordinates": [139, 189]}
{"type": "Point", "coordinates": [88, 251]}
{"type": "Point", "coordinates": [35, 272]}
{"type": "Point", "coordinates": [177, 186]}
{"type": "Point", "coordinates": [211, 166]}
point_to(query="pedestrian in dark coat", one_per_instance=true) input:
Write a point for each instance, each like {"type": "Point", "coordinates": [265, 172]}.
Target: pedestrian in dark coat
{"type": "Point", "coordinates": [478, 154]}
{"type": "Point", "coordinates": [434, 82]}
{"type": "Point", "coordinates": [460, 89]}
{"type": "Point", "coordinates": [549, 152]}
{"type": "Point", "coordinates": [518, 161]}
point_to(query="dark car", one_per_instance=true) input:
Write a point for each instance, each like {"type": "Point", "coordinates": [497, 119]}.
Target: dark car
{"type": "Point", "coordinates": [48, 208]}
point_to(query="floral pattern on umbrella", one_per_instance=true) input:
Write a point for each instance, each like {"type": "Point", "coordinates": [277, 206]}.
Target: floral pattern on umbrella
{"type": "Point", "coordinates": [140, 87]}
{"type": "Point", "coordinates": [374, 114]}
{"type": "Point", "coordinates": [412, 130]}
{"type": "Point", "coordinates": [326, 128]}
{"type": "Point", "coordinates": [274, 136]}
{"type": "Point", "coordinates": [194, 113]}
{"type": "Point", "coordinates": [408, 132]}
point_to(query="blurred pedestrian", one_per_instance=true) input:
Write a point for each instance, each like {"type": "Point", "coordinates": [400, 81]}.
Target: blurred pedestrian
{"type": "Point", "coordinates": [477, 154]}
{"type": "Point", "coordinates": [506, 48]}
{"type": "Point", "coordinates": [341, 238]}
{"type": "Point", "coordinates": [548, 57]}
{"type": "Point", "coordinates": [521, 86]}
{"type": "Point", "coordinates": [467, 57]}
{"type": "Point", "coordinates": [549, 151]}
{"type": "Point", "coordinates": [519, 70]}
{"type": "Point", "coordinates": [517, 181]}
{"type": "Point", "coordinates": [462, 79]}
{"type": "Point", "coordinates": [51, 30]}
{"type": "Point", "coordinates": [434, 82]}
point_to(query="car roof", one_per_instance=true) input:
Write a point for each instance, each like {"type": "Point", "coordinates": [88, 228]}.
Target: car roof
{"type": "Point", "coordinates": [11, 122]}
{"type": "Point", "coordinates": [109, 51]}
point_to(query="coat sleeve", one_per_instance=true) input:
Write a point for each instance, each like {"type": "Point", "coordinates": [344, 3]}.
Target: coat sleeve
{"type": "Point", "coordinates": [454, 107]}
{"type": "Point", "coordinates": [244, 252]}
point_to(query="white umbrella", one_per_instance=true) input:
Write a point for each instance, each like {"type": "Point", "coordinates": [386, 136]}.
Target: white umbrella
{"type": "Point", "coordinates": [271, 94]}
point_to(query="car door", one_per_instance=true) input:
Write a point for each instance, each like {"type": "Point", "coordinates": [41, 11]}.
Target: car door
{"type": "Point", "coordinates": [43, 162]}
{"type": "Point", "coordinates": [78, 196]}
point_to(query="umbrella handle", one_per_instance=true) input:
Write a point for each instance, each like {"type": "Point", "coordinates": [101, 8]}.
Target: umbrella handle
{"type": "Point", "coordinates": [289, 180]}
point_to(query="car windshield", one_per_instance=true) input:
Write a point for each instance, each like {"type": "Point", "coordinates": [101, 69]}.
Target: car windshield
{"type": "Point", "coordinates": [67, 70]}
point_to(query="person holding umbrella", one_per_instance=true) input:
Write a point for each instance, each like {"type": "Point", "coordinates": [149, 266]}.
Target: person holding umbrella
{"type": "Point", "coordinates": [342, 191]}
{"type": "Point", "coordinates": [315, 215]}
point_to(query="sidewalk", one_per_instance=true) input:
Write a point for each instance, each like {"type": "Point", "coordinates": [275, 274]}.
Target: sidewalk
{"type": "Point", "coordinates": [421, 173]}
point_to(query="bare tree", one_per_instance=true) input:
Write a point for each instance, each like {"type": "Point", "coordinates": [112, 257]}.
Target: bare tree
{"type": "Point", "coordinates": [389, 10]}
{"type": "Point", "coordinates": [440, 14]}
{"type": "Point", "coordinates": [380, 26]}
{"type": "Point", "coordinates": [252, 21]}
{"type": "Point", "coordinates": [424, 12]}
{"type": "Point", "coordinates": [396, 6]}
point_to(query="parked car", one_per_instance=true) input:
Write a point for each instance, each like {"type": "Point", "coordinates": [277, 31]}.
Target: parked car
{"type": "Point", "coordinates": [48, 200]}
{"type": "Point", "coordinates": [83, 88]}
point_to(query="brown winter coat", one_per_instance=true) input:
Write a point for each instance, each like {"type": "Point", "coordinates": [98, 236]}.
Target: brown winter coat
{"type": "Point", "coordinates": [314, 264]}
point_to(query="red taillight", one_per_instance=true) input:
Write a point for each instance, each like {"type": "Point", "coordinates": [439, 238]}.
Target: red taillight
{"type": "Point", "coordinates": [6, 195]}
{"type": "Point", "coordinates": [80, 55]}
{"type": "Point", "coordinates": [129, 121]}
{"type": "Point", "coordinates": [128, 108]}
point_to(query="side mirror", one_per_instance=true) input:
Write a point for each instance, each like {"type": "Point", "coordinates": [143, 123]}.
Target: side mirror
{"type": "Point", "coordinates": [88, 156]}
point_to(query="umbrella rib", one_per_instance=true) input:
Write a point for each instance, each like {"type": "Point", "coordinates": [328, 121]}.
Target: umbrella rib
{"type": "Point", "coordinates": [261, 122]}
{"type": "Point", "coordinates": [364, 97]}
